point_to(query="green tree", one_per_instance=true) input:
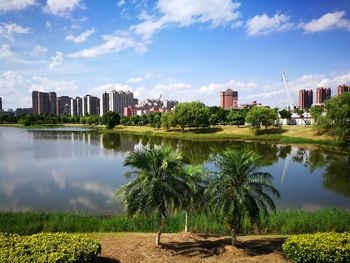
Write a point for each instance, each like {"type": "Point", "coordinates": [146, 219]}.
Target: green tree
{"type": "Point", "coordinates": [285, 114]}
{"type": "Point", "coordinates": [239, 189]}
{"type": "Point", "coordinates": [258, 116]}
{"type": "Point", "coordinates": [167, 120]}
{"type": "Point", "coordinates": [191, 114]}
{"type": "Point", "coordinates": [160, 184]}
{"type": "Point", "coordinates": [337, 119]}
{"type": "Point", "coordinates": [111, 119]}
{"type": "Point", "coordinates": [235, 117]}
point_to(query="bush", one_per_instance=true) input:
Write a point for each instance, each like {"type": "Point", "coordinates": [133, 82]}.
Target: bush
{"type": "Point", "coordinates": [48, 247]}
{"type": "Point", "coordinates": [319, 247]}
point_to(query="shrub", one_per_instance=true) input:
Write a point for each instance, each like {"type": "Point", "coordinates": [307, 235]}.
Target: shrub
{"type": "Point", "coordinates": [319, 247]}
{"type": "Point", "coordinates": [48, 247]}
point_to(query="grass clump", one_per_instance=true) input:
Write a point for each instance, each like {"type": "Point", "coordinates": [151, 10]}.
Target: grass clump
{"type": "Point", "coordinates": [319, 247]}
{"type": "Point", "coordinates": [48, 247]}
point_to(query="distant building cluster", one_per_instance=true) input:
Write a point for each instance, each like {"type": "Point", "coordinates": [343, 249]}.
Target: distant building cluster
{"type": "Point", "coordinates": [151, 105]}
{"type": "Point", "coordinates": [122, 102]}
{"type": "Point", "coordinates": [229, 98]}
{"type": "Point", "coordinates": [0, 104]}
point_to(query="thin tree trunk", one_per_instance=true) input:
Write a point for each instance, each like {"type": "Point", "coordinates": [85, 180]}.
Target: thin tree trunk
{"type": "Point", "coordinates": [234, 237]}
{"type": "Point", "coordinates": [160, 231]}
{"type": "Point", "coordinates": [186, 221]}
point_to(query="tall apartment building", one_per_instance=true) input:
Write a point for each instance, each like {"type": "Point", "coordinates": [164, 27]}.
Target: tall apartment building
{"type": "Point", "coordinates": [76, 106]}
{"type": "Point", "coordinates": [120, 99]}
{"type": "Point", "coordinates": [322, 94]}
{"type": "Point", "coordinates": [91, 105]}
{"type": "Point", "coordinates": [63, 105]}
{"type": "Point", "coordinates": [0, 104]}
{"type": "Point", "coordinates": [43, 102]}
{"type": "Point", "coordinates": [343, 88]}
{"type": "Point", "coordinates": [305, 99]}
{"type": "Point", "coordinates": [229, 99]}
{"type": "Point", "coordinates": [104, 103]}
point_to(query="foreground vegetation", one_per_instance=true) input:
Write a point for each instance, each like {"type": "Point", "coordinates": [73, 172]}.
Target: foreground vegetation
{"type": "Point", "coordinates": [281, 222]}
{"type": "Point", "coordinates": [48, 247]}
{"type": "Point", "coordinates": [319, 247]}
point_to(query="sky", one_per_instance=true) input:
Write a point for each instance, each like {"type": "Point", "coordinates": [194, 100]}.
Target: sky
{"type": "Point", "coordinates": [177, 49]}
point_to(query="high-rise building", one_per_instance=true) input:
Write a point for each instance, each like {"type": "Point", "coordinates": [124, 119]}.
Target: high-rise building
{"type": "Point", "coordinates": [104, 103]}
{"type": "Point", "coordinates": [43, 102]}
{"type": "Point", "coordinates": [63, 105]}
{"type": "Point", "coordinates": [91, 105]}
{"type": "Point", "coordinates": [0, 104]}
{"type": "Point", "coordinates": [53, 104]}
{"type": "Point", "coordinates": [76, 107]}
{"type": "Point", "coordinates": [343, 88]}
{"type": "Point", "coordinates": [120, 99]}
{"type": "Point", "coordinates": [322, 94]}
{"type": "Point", "coordinates": [229, 99]}
{"type": "Point", "coordinates": [305, 99]}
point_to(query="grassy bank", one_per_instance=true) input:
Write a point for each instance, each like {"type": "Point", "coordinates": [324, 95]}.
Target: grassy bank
{"type": "Point", "coordinates": [283, 222]}
{"type": "Point", "coordinates": [285, 135]}
{"type": "Point", "coordinates": [36, 126]}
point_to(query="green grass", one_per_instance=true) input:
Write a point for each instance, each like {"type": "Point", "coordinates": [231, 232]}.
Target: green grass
{"type": "Point", "coordinates": [283, 222]}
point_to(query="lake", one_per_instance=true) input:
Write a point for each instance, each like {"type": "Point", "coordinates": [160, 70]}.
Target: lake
{"type": "Point", "coordinates": [79, 170]}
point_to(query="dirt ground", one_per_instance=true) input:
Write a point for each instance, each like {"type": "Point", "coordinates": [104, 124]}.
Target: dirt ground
{"type": "Point", "coordinates": [186, 247]}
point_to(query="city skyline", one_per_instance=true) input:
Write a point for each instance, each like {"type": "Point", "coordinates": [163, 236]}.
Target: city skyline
{"type": "Point", "coordinates": [182, 51]}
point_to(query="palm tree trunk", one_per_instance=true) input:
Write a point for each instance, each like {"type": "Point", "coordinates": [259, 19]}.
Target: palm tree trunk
{"type": "Point", "coordinates": [234, 236]}
{"type": "Point", "coordinates": [186, 221]}
{"type": "Point", "coordinates": [160, 231]}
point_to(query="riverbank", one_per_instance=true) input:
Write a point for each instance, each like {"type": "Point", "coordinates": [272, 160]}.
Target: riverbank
{"type": "Point", "coordinates": [283, 135]}
{"type": "Point", "coordinates": [283, 222]}
{"type": "Point", "coordinates": [188, 247]}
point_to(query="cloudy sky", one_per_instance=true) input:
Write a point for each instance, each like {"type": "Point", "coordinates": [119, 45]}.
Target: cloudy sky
{"type": "Point", "coordinates": [180, 49]}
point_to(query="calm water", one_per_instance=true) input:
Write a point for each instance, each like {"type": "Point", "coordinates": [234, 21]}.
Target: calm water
{"type": "Point", "coordinates": [80, 170]}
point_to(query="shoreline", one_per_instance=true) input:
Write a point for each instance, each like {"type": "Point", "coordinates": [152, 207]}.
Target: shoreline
{"type": "Point", "coordinates": [290, 135]}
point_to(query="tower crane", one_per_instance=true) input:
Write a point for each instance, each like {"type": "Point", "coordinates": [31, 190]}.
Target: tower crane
{"type": "Point", "coordinates": [288, 90]}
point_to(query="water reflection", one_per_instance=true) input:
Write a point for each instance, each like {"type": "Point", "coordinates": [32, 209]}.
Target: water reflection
{"type": "Point", "coordinates": [79, 170]}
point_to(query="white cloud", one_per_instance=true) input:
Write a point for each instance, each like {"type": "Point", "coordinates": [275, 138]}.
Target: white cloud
{"type": "Point", "coordinates": [109, 87]}
{"type": "Point", "coordinates": [11, 5]}
{"type": "Point", "coordinates": [121, 3]}
{"type": "Point", "coordinates": [62, 7]}
{"type": "Point", "coordinates": [5, 51]}
{"type": "Point", "coordinates": [67, 87]}
{"type": "Point", "coordinates": [48, 26]}
{"type": "Point", "coordinates": [9, 30]}
{"type": "Point", "coordinates": [56, 60]}
{"type": "Point", "coordinates": [261, 25]}
{"type": "Point", "coordinates": [82, 37]}
{"type": "Point", "coordinates": [38, 51]}
{"type": "Point", "coordinates": [112, 44]}
{"type": "Point", "coordinates": [185, 12]}
{"type": "Point", "coordinates": [326, 22]}
{"type": "Point", "coordinates": [138, 79]}
{"type": "Point", "coordinates": [17, 88]}
{"type": "Point", "coordinates": [147, 28]}
{"type": "Point", "coordinates": [175, 12]}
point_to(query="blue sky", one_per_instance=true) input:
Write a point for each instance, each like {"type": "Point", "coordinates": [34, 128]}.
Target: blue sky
{"type": "Point", "coordinates": [180, 49]}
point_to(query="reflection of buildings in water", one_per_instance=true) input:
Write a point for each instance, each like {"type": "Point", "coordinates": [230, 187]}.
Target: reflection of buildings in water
{"type": "Point", "coordinates": [287, 159]}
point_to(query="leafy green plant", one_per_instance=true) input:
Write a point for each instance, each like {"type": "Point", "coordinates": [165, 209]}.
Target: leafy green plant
{"type": "Point", "coordinates": [48, 247]}
{"type": "Point", "coordinates": [319, 247]}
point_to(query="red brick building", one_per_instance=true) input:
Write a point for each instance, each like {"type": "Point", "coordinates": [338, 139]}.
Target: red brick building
{"type": "Point", "coordinates": [322, 94]}
{"type": "Point", "coordinates": [229, 99]}
{"type": "Point", "coordinates": [305, 99]}
{"type": "Point", "coordinates": [343, 88]}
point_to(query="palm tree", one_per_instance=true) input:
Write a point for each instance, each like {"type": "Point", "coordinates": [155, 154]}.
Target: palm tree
{"type": "Point", "coordinates": [197, 182]}
{"type": "Point", "coordinates": [239, 189]}
{"type": "Point", "coordinates": [160, 184]}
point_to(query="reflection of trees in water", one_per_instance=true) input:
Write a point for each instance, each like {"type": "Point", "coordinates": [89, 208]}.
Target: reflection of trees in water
{"type": "Point", "coordinates": [336, 165]}
{"type": "Point", "coordinates": [118, 142]}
